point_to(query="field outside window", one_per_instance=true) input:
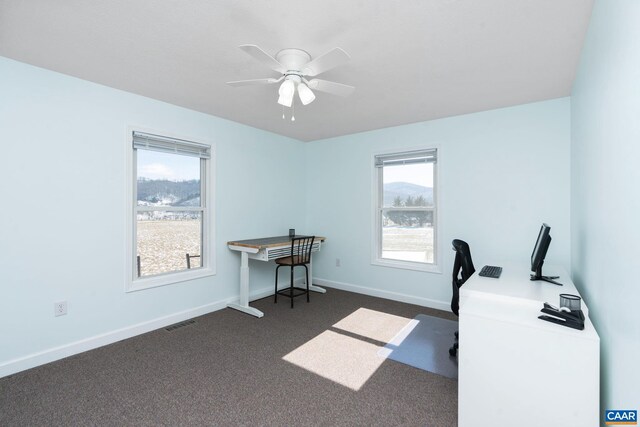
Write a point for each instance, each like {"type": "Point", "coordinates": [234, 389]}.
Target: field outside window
{"type": "Point", "coordinates": [170, 210]}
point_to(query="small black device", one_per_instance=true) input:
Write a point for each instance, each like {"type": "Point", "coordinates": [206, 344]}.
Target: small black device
{"type": "Point", "coordinates": [292, 232]}
{"type": "Point", "coordinates": [563, 316]}
{"type": "Point", "coordinates": [539, 253]}
{"type": "Point", "coordinates": [491, 271]}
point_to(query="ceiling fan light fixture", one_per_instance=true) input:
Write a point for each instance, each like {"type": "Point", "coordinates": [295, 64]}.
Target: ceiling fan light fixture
{"type": "Point", "coordinates": [306, 95]}
{"type": "Point", "coordinates": [283, 100]}
{"type": "Point", "coordinates": [287, 88]}
{"type": "Point", "coordinates": [286, 92]}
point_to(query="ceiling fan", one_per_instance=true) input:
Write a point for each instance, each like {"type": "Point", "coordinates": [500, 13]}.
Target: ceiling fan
{"type": "Point", "coordinates": [296, 65]}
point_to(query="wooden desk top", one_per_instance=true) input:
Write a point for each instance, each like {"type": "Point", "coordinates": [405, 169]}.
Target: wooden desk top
{"type": "Point", "coordinates": [268, 242]}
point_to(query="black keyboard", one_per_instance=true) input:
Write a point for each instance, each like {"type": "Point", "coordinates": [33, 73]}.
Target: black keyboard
{"type": "Point", "coordinates": [491, 271]}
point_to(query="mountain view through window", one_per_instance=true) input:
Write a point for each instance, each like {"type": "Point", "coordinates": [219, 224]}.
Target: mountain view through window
{"type": "Point", "coordinates": [407, 213]}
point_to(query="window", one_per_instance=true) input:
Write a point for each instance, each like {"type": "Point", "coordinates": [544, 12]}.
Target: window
{"type": "Point", "coordinates": [170, 216]}
{"type": "Point", "coordinates": [405, 211]}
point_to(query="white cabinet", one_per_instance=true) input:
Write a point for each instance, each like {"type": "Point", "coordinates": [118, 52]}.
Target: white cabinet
{"type": "Point", "coordinates": [515, 369]}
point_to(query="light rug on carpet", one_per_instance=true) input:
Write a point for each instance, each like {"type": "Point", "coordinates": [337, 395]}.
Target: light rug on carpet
{"type": "Point", "coordinates": [424, 344]}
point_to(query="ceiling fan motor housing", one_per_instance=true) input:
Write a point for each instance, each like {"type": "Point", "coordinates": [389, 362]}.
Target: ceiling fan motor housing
{"type": "Point", "coordinates": [294, 60]}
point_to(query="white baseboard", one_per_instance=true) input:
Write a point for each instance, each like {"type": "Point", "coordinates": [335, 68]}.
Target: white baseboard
{"type": "Point", "coordinates": [395, 296]}
{"type": "Point", "coordinates": [60, 352]}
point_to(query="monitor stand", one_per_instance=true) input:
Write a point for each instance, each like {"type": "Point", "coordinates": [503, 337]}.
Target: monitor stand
{"type": "Point", "coordinates": [538, 276]}
{"type": "Point", "coordinates": [546, 279]}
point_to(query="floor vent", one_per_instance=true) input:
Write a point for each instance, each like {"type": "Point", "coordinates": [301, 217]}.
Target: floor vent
{"type": "Point", "coordinates": [179, 325]}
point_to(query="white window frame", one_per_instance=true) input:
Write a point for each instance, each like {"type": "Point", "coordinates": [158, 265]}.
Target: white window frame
{"type": "Point", "coordinates": [208, 248]}
{"type": "Point", "coordinates": [377, 209]}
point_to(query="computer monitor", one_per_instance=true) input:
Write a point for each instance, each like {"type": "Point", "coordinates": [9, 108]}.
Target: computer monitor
{"type": "Point", "coordinates": [539, 253]}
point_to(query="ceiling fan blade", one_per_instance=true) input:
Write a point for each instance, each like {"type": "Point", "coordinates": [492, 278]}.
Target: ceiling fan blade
{"type": "Point", "coordinates": [325, 62]}
{"type": "Point", "coordinates": [253, 82]}
{"type": "Point", "coordinates": [331, 87]}
{"type": "Point", "coordinates": [263, 57]}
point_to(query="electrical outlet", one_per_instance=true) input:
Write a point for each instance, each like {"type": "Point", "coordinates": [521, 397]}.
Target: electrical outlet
{"type": "Point", "coordinates": [337, 262]}
{"type": "Point", "coordinates": [60, 308]}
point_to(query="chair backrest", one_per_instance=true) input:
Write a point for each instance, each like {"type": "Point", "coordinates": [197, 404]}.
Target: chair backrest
{"type": "Point", "coordinates": [301, 248]}
{"type": "Point", "coordinates": [189, 259]}
{"type": "Point", "coordinates": [462, 270]}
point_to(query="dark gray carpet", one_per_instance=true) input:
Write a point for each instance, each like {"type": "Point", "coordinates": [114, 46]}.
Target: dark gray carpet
{"type": "Point", "coordinates": [424, 344]}
{"type": "Point", "coordinates": [228, 368]}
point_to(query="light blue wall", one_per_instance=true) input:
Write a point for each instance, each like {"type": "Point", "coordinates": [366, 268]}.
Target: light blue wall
{"type": "Point", "coordinates": [63, 204]}
{"type": "Point", "coordinates": [62, 215]}
{"type": "Point", "coordinates": [502, 173]}
{"type": "Point", "coordinates": [605, 202]}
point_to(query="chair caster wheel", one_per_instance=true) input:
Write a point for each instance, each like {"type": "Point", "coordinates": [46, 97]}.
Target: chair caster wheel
{"type": "Point", "coordinates": [453, 351]}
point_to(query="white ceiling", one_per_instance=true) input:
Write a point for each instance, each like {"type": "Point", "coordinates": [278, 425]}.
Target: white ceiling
{"type": "Point", "coordinates": [412, 60]}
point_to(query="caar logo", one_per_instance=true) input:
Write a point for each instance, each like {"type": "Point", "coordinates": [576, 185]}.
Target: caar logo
{"type": "Point", "coordinates": [621, 417]}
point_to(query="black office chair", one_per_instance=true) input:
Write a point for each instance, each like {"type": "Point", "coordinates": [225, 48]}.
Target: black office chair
{"type": "Point", "coordinates": [462, 270]}
{"type": "Point", "coordinates": [300, 255]}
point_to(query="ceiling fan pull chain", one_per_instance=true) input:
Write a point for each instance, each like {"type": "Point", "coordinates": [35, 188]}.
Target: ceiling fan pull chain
{"type": "Point", "coordinates": [293, 111]}
{"type": "Point", "coordinates": [283, 112]}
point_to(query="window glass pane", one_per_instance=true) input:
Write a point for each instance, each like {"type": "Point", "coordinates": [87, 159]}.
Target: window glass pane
{"type": "Point", "coordinates": [408, 236]}
{"type": "Point", "coordinates": [407, 185]}
{"type": "Point", "coordinates": [166, 239]}
{"type": "Point", "coordinates": [167, 179]}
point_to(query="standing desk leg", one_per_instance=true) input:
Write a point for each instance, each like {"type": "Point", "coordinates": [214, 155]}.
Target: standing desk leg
{"type": "Point", "coordinates": [313, 287]}
{"type": "Point", "coordinates": [244, 289]}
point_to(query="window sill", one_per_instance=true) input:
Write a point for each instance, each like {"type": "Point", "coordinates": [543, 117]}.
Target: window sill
{"type": "Point", "coordinates": [407, 265]}
{"type": "Point", "coordinates": [168, 279]}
